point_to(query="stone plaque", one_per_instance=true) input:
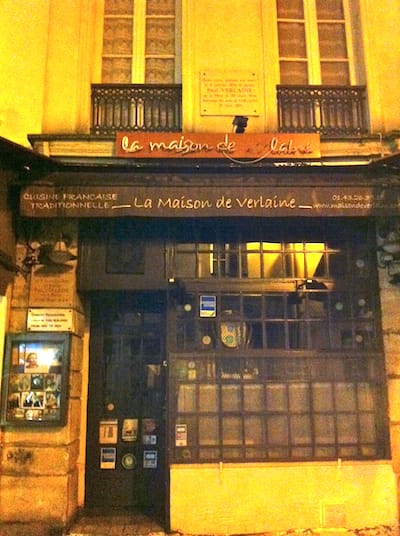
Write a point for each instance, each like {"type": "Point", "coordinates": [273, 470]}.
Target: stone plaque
{"type": "Point", "coordinates": [229, 93]}
{"type": "Point", "coordinates": [52, 288]}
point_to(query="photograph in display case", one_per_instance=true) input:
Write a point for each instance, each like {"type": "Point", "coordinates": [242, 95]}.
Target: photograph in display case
{"type": "Point", "coordinates": [35, 379]}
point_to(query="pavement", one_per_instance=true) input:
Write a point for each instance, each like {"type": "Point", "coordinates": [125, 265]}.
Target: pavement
{"type": "Point", "coordinates": [96, 522]}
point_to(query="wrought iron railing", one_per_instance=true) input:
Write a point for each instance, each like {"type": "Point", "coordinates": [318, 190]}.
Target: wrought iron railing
{"type": "Point", "coordinates": [332, 111]}
{"type": "Point", "coordinates": [136, 107]}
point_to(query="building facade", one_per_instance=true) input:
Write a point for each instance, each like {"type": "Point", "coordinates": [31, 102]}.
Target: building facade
{"type": "Point", "coordinates": [201, 256]}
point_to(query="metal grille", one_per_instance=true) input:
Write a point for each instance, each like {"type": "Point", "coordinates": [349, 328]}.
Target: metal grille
{"type": "Point", "coordinates": [128, 107]}
{"type": "Point", "coordinates": [331, 110]}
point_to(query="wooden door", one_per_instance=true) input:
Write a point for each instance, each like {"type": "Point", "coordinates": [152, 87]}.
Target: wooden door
{"type": "Point", "coordinates": [125, 463]}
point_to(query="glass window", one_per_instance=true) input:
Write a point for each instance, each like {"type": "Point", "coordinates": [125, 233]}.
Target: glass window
{"type": "Point", "coordinates": [156, 29]}
{"type": "Point", "coordinates": [284, 368]}
{"type": "Point", "coordinates": [325, 61]}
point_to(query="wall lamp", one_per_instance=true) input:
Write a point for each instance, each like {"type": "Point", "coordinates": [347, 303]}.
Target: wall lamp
{"type": "Point", "coordinates": [240, 123]}
{"type": "Point", "coordinates": [312, 284]}
{"type": "Point", "coordinates": [389, 249]}
{"type": "Point", "coordinates": [47, 254]}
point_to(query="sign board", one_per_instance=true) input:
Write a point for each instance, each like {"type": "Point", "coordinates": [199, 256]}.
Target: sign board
{"type": "Point", "coordinates": [245, 147]}
{"type": "Point", "coordinates": [232, 92]}
{"type": "Point", "coordinates": [150, 459]}
{"type": "Point", "coordinates": [205, 201]}
{"type": "Point", "coordinates": [108, 431]}
{"type": "Point", "coordinates": [108, 456]}
{"type": "Point", "coordinates": [49, 320]}
{"type": "Point", "coordinates": [180, 435]}
{"type": "Point", "coordinates": [208, 306]}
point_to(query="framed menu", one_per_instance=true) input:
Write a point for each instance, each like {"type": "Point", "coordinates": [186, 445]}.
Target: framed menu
{"type": "Point", "coordinates": [35, 379]}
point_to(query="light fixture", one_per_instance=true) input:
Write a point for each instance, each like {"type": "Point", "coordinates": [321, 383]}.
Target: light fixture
{"type": "Point", "coordinates": [47, 254]}
{"type": "Point", "coordinates": [312, 285]}
{"type": "Point", "coordinates": [240, 123]}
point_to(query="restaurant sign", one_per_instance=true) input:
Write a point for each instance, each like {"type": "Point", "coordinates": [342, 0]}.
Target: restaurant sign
{"type": "Point", "coordinates": [230, 146]}
{"type": "Point", "coordinates": [204, 201]}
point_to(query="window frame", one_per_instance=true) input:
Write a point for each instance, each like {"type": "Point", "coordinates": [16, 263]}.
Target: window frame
{"type": "Point", "coordinates": [313, 58]}
{"type": "Point", "coordinates": [138, 56]}
{"type": "Point", "coordinates": [204, 365]}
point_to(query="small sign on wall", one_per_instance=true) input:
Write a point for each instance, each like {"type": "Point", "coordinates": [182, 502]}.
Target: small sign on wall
{"type": "Point", "coordinates": [181, 435]}
{"type": "Point", "coordinates": [150, 459]}
{"type": "Point", "coordinates": [108, 431]}
{"type": "Point", "coordinates": [108, 457]}
{"type": "Point", "coordinates": [49, 320]}
{"type": "Point", "coordinates": [208, 306]}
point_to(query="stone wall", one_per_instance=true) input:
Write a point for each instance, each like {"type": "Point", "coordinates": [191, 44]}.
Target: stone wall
{"type": "Point", "coordinates": [40, 467]}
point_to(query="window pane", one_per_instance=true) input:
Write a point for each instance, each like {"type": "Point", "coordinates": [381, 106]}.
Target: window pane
{"type": "Point", "coordinates": [292, 40]}
{"type": "Point", "coordinates": [232, 431]}
{"type": "Point", "coordinates": [299, 397]}
{"type": "Point", "coordinates": [329, 9]}
{"type": "Point", "coordinates": [277, 430]}
{"type": "Point", "coordinates": [275, 335]}
{"type": "Point", "coordinates": [186, 398]}
{"type": "Point", "coordinates": [367, 428]}
{"type": "Point", "coordinates": [275, 307]}
{"type": "Point", "coordinates": [155, 7]}
{"type": "Point", "coordinates": [335, 73]}
{"type": "Point", "coordinates": [276, 397]}
{"type": "Point", "coordinates": [160, 36]}
{"type": "Point", "coordinates": [117, 37]}
{"type": "Point", "coordinates": [208, 431]}
{"type": "Point", "coordinates": [252, 306]}
{"type": "Point", "coordinates": [345, 397]}
{"type": "Point", "coordinates": [294, 73]}
{"type": "Point", "coordinates": [208, 398]}
{"type": "Point", "coordinates": [185, 265]}
{"type": "Point", "coordinates": [253, 397]}
{"type": "Point", "coordinates": [347, 429]}
{"type": "Point", "coordinates": [332, 41]}
{"type": "Point", "coordinates": [365, 398]}
{"type": "Point", "coordinates": [231, 397]}
{"type": "Point", "coordinates": [322, 397]}
{"type": "Point", "coordinates": [290, 9]}
{"type": "Point", "coordinates": [300, 429]}
{"type": "Point", "coordinates": [324, 426]}
{"type": "Point", "coordinates": [254, 430]}
{"type": "Point", "coordinates": [160, 71]}
{"type": "Point", "coordinates": [118, 7]}
{"type": "Point", "coordinates": [116, 70]}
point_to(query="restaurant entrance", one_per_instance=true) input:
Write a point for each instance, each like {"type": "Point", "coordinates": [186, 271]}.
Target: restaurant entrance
{"type": "Point", "coordinates": [125, 464]}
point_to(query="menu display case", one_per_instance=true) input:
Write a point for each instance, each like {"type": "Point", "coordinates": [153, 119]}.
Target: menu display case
{"type": "Point", "coordinates": [35, 379]}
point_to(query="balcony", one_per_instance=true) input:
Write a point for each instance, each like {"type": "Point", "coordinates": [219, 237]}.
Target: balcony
{"type": "Point", "coordinates": [332, 111]}
{"type": "Point", "coordinates": [136, 107]}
